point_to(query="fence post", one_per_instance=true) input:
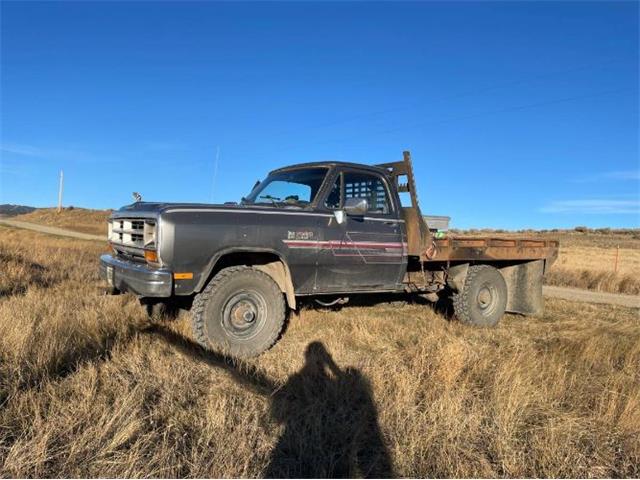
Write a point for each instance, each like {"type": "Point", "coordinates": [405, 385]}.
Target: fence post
{"type": "Point", "coordinates": [615, 268]}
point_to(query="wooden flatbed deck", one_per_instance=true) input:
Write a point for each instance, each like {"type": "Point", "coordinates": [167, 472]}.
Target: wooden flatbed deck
{"type": "Point", "coordinates": [492, 249]}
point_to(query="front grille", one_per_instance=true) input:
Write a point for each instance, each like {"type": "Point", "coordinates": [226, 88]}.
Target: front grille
{"type": "Point", "coordinates": [137, 224]}
{"type": "Point", "coordinates": [132, 233]}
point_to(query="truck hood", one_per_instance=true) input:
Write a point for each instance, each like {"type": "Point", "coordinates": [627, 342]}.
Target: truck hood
{"type": "Point", "coordinates": [153, 209]}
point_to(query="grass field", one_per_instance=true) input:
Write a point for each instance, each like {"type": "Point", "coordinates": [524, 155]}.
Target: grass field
{"type": "Point", "coordinates": [89, 388]}
{"type": "Point", "coordinates": [587, 260]}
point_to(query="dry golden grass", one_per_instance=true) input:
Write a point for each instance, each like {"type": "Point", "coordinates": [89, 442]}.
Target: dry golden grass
{"type": "Point", "coordinates": [593, 268]}
{"type": "Point", "coordinates": [88, 388]}
{"type": "Point", "coordinates": [77, 219]}
{"type": "Point", "coordinates": [587, 260]}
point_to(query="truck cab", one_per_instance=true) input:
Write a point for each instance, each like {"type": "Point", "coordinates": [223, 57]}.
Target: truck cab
{"type": "Point", "coordinates": [358, 242]}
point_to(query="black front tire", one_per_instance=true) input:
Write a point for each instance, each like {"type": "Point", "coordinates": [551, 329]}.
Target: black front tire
{"type": "Point", "coordinates": [241, 312]}
{"type": "Point", "coordinates": [483, 299]}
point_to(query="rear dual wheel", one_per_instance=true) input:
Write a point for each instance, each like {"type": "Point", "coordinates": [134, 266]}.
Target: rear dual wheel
{"type": "Point", "coordinates": [483, 298]}
{"type": "Point", "coordinates": [241, 311]}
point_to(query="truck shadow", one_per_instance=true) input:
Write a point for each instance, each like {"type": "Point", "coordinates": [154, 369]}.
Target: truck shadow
{"type": "Point", "coordinates": [329, 417]}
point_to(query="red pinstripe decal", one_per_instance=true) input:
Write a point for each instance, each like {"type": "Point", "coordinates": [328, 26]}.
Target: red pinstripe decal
{"type": "Point", "coordinates": [337, 244]}
{"type": "Point", "coordinates": [385, 252]}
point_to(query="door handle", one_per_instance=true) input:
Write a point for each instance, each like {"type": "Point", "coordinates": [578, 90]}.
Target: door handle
{"type": "Point", "coordinates": [391, 222]}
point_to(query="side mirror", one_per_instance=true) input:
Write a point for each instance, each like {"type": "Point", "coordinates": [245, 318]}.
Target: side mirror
{"type": "Point", "coordinates": [356, 206]}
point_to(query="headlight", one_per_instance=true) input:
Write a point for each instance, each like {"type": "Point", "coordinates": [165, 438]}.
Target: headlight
{"type": "Point", "coordinates": [150, 235]}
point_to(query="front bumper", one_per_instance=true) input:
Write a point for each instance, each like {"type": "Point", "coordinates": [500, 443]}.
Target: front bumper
{"type": "Point", "coordinates": [136, 278]}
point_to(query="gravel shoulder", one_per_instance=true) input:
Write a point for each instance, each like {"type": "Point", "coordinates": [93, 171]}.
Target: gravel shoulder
{"type": "Point", "coordinates": [579, 295]}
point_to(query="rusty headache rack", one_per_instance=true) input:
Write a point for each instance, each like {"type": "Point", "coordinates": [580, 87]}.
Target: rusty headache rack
{"type": "Point", "coordinates": [422, 244]}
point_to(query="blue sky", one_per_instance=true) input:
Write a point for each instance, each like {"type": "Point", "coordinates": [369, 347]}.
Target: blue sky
{"type": "Point", "coordinates": [517, 114]}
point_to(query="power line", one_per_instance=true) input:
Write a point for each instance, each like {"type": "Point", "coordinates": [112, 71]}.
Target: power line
{"type": "Point", "coordinates": [468, 93]}
{"type": "Point", "coordinates": [506, 109]}
{"type": "Point", "coordinates": [475, 115]}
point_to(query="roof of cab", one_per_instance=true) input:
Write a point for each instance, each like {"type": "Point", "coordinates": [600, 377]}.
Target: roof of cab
{"type": "Point", "coordinates": [360, 166]}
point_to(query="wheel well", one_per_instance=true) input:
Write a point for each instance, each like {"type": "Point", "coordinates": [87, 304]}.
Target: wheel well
{"type": "Point", "coordinates": [267, 262]}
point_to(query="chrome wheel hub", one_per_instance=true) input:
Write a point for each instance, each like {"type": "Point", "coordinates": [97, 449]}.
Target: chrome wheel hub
{"type": "Point", "coordinates": [243, 314]}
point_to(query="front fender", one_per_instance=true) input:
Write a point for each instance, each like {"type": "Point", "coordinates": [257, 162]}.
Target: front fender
{"type": "Point", "coordinates": [268, 260]}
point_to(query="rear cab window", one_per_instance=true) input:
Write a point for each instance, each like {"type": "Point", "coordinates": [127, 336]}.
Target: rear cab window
{"type": "Point", "coordinates": [369, 186]}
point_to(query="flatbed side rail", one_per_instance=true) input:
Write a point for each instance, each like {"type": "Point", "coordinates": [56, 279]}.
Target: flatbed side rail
{"type": "Point", "coordinates": [497, 249]}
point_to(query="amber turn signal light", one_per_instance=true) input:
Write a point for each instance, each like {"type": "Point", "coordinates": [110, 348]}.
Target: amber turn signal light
{"type": "Point", "coordinates": [183, 276]}
{"type": "Point", "coordinates": [151, 256]}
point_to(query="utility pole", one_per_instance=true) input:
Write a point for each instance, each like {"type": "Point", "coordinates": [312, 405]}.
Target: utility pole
{"type": "Point", "coordinates": [60, 191]}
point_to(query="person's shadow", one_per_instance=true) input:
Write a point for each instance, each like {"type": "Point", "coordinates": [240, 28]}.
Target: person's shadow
{"type": "Point", "coordinates": [329, 418]}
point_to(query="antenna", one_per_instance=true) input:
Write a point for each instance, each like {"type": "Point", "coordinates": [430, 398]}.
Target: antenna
{"type": "Point", "coordinates": [60, 191]}
{"type": "Point", "coordinates": [215, 172]}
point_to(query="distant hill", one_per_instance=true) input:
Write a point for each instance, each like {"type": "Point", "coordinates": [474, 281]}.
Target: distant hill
{"type": "Point", "coordinates": [11, 210]}
{"type": "Point", "coordinates": [71, 218]}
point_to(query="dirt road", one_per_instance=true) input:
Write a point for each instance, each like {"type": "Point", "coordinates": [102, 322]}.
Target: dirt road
{"type": "Point", "coordinates": [573, 294]}
{"type": "Point", "coordinates": [579, 295]}
{"type": "Point", "coordinates": [50, 230]}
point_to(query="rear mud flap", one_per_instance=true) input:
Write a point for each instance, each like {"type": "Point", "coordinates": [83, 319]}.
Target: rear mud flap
{"type": "Point", "coordinates": [524, 287]}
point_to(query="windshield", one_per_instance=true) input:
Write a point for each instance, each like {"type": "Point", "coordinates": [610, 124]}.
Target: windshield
{"type": "Point", "coordinates": [292, 188]}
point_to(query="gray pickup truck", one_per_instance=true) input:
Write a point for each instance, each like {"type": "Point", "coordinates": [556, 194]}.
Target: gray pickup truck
{"type": "Point", "coordinates": [325, 230]}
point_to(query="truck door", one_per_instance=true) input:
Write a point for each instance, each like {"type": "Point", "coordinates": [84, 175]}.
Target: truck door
{"type": "Point", "coordinates": [364, 252]}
